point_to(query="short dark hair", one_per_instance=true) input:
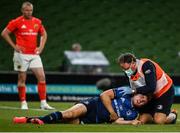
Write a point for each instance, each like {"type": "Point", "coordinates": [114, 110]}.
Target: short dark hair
{"type": "Point", "coordinates": [126, 58]}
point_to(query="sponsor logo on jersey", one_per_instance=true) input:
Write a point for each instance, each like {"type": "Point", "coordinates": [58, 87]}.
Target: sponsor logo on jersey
{"type": "Point", "coordinates": [29, 33]}
{"type": "Point", "coordinates": [148, 71]}
{"type": "Point", "coordinates": [117, 108]}
{"type": "Point", "coordinates": [129, 112]}
{"type": "Point", "coordinates": [122, 99]}
{"type": "Point", "coordinates": [36, 26]}
{"type": "Point", "coordinates": [160, 107]}
{"type": "Point", "coordinates": [23, 26]}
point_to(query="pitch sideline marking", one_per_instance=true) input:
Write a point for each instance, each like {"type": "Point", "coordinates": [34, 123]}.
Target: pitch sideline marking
{"type": "Point", "coordinates": [15, 108]}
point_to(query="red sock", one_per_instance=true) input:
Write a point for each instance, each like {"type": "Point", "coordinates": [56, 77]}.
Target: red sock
{"type": "Point", "coordinates": [22, 93]}
{"type": "Point", "coordinates": [42, 90]}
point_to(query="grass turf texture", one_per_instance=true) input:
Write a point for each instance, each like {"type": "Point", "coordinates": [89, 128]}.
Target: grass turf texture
{"type": "Point", "coordinates": [6, 125]}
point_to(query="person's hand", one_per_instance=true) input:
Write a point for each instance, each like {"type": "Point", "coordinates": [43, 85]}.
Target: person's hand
{"type": "Point", "coordinates": [125, 90]}
{"type": "Point", "coordinates": [38, 51]}
{"type": "Point", "coordinates": [136, 122]}
{"type": "Point", "coordinates": [113, 116]}
{"type": "Point", "coordinates": [17, 49]}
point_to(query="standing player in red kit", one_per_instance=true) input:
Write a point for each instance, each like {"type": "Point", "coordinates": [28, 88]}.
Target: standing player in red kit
{"type": "Point", "coordinates": [26, 51]}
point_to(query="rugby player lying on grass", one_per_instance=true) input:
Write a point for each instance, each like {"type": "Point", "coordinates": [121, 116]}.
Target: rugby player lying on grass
{"type": "Point", "coordinates": [109, 107]}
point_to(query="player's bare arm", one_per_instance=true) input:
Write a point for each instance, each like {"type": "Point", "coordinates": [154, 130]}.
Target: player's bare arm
{"type": "Point", "coordinates": [121, 121]}
{"type": "Point", "coordinates": [43, 40]}
{"type": "Point", "coordinates": [106, 98]}
{"type": "Point", "coordinates": [6, 35]}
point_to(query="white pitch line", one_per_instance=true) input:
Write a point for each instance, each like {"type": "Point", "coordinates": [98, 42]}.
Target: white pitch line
{"type": "Point", "coordinates": [15, 108]}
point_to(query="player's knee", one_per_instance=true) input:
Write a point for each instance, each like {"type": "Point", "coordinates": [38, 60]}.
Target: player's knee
{"type": "Point", "coordinates": [41, 79]}
{"type": "Point", "coordinates": [21, 82]}
{"type": "Point", "coordinates": [68, 114]}
{"type": "Point", "coordinates": [159, 120]}
{"type": "Point", "coordinates": [72, 114]}
{"type": "Point", "coordinates": [145, 118]}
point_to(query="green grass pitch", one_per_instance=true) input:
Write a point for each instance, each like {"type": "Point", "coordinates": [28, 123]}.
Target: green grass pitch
{"type": "Point", "coordinates": [10, 109]}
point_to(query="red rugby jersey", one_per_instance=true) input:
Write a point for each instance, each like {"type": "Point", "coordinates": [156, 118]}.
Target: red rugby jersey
{"type": "Point", "coordinates": [26, 32]}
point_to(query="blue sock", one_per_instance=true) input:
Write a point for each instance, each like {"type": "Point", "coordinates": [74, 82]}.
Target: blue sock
{"type": "Point", "coordinates": [52, 118]}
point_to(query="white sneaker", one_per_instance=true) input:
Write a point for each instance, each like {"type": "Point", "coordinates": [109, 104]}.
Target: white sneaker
{"type": "Point", "coordinates": [46, 106]}
{"type": "Point", "coordinates": [24, 105]}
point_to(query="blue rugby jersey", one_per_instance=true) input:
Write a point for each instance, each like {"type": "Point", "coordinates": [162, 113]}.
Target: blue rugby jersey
{"type": "Point", "coordinates": [122, 106]}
